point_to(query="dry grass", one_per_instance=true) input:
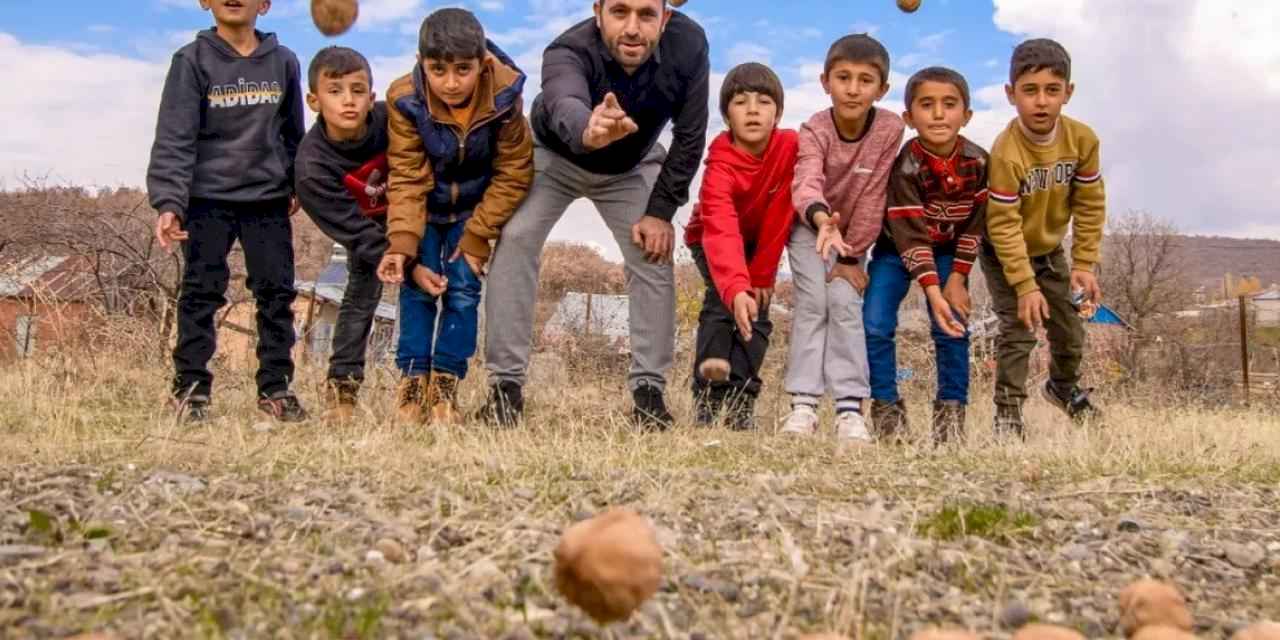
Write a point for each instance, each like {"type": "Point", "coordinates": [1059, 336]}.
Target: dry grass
{"type": "Point", "coordinates": [244, 529]}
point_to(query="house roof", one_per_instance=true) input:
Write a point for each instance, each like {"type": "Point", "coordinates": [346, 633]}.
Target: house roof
{"type": "Point", "coordinates": [331, 286]}
{"type": "Point", "coordinates": [64, 278]}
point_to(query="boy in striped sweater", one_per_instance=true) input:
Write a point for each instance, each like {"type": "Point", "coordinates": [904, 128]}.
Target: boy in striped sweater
{"type": "Point", "coordinates": [1045, 178]}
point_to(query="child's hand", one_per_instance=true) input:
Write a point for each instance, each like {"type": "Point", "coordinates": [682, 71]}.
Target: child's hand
{"type": "Point", "coordinates": [829, 236]}
{"type": "Point", "coordinates": [745, 312]}
{"type": "Point", "coordinates": [1033, 310]}
{"type": "Point", "coordinates": [477, 264]}
{"type": "Point", "coordinates": [763, 296]}
{"type": "Point", "coordinates": [943, 313]}
{"type": "Point", "coordinates": [427, 280]}
{"type": "Point", "coordinates": [1088, 283]}
{"type": "Point", "coordinates": [169, 231]}
{"type": "Point", "coordinates": [851, 273]}
{"type": "Point", "coordinates": [957, 295]}
{"type": "Point", "coordinates": [391, 269]}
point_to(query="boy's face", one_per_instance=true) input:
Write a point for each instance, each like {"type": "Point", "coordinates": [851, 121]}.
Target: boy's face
{"type": "Point", "coordinates": [752, 118]}
{"type": "Point", "coordinates": [854, 87]}
{"type": "Point", "coordinates": [453, 82]}
{"type": "Point", "coordinates": [937, 113]}
{"type": "Point", "coordinates": [236, 13]}
{"type": "Point", "coordinates": [631, 28]}
{"type": "Point", "coordinates": [1039, 97]}
{"type": "Point", "coordinates": [343, 101]}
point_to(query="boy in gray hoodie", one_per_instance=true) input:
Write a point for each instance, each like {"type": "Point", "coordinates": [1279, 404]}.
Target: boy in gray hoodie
{"type": "Point", "coordinates": [222, 170]}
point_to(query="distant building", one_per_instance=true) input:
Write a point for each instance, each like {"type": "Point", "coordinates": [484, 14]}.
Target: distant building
{"type": "Point", "coordinates": [44, 303]}
{"type": "Point", "coordinates": [315, 313]}
{"type": "Point", "coordinates": [1267, 307]}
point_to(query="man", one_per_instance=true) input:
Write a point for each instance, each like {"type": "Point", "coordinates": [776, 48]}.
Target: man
{"type": "Point", "coordinates": [610, 84]}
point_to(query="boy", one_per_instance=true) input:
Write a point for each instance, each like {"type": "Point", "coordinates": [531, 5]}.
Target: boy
{"type": "Point", "coordinates": [222, 170]}
{"type": "Point", "coordinates": [935, 216]}
{"type": "Point", "coordinates": [736, 235]}
{"type": "Point", "coordinates": [342, 183]}
{"type": "Point", "coordinates": [845, 156]}
{"type": "Point", "coordinates": [461, 157]}
{"type": "Point", "coordinates": [1045, 177]}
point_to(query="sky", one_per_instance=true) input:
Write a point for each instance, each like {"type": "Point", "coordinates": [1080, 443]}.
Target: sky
{"type": "Point", "coordinates": [1184, 94]}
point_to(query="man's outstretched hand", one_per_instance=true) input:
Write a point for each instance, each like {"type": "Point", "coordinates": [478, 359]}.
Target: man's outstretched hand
{"type": "Point", "coordinates": [608, 124]}
{"type": "Point", "coordinates": [656, 237]}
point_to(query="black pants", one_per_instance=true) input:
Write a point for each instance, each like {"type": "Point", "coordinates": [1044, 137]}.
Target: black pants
{"type": "Point", "coordinates": [355, 320]}
{"type": "Point", "coordinates": [265, 234]}
{"type": "Point", "coordinates": [718, 337]}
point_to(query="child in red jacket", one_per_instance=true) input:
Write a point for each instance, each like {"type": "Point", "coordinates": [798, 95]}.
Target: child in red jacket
{"type": "Point", "coordinates": [738, 230]}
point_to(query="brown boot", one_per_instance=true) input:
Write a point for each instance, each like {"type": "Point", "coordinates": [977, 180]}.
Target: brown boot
{"type": "Point", "coordinates": [340, 400]}
{"type": "Point", "coordinates": [411, 400]}
{"type": "Point", "coordinates": [442, 398]}
{"type": "Point", "coordinates": [889, 421]}
{"type": "Point", "coordinates": [948, 421]}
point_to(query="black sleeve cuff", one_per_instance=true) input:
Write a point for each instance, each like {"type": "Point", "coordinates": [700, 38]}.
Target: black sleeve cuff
{"type": "Point", "coordinates": [813, 211]}
{"type": "Point", "coordinates": [849, 260]}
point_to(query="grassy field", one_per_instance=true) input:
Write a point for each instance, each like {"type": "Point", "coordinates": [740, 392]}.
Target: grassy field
{"type": "Point", "coordinates": [114, 519]}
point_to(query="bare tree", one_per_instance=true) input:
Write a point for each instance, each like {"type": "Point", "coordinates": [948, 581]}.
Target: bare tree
{"type": "Point", "coordinates": [1143, 267]}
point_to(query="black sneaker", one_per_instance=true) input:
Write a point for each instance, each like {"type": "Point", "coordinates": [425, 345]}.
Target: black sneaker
{"type": "Point", "coordinates": [889, 420]}
{"type": "Point", "coordinates": [282, 406]}
{"type": "Point", "coordinates": [1075, 403]}
{"type": "Point", "coordinates": [505, 406]}
{"type": "Point", "coordinates": [742, 412]}
{"type": "Point", "coordinates": [1008, 422]}
{"type": "Point", "coordinates": [192, 410]}
{"type": "Point", "coordinates": [707, 404]}
{"type": "Point", "coordinates": [650, 410]}
{"type": "Point", "coordinates": [948, 421]}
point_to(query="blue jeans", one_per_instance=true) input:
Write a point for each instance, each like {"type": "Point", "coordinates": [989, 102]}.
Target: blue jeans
{"type": "Point", "coordinates": [890, 282]}
{"type": "Point", "coordinates": [458, 311]}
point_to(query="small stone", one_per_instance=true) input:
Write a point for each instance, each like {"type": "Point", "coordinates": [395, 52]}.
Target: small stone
{"type": "Point", "coordinates": [1076, 552]}
{"type": "Point", "coordinates": [1014, 615]}
{"type": "Point", "coordinates": [1047, 632]}
{"type": "Point", "coordinates": [20, 551]}
{"type": "Point", "coordinates": [1245, 556]}
{"type": "Point", "coordinates": [1161, 568]}
{"type": "Point", "coordinates": [355, 594]}
{"type": "Point", "coordinates": [373, 556]}
{"type": "Point", "coordinates": [238, 507]}
{"type": "Point", "coordinates": [425, 553]}
{"type": "Point", "coordinates": [1031, 472]}
{"type": "Point", "coordinates": [724, 589]}
{"type": "Point", "coordinates": [263, 427]}
{"type": "Point", "coordinates": [1150, 602]}
{"type": "Point", "coordinates": [524, 493]}
{"type": "Point", "coordinates": [1129, 524]}
{"type": "Point", "coordinates": [1259, 631]}
{"type": "Point", "coordinates": [179, 482]}
{"type": "Point", "coordinates": [391, 550]}
{"type": "Point", "coordinates": [1274, 547]}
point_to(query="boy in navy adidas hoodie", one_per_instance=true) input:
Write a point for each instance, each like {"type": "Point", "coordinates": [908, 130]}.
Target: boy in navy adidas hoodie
{"type": "Point", "coordinates": [222, 170]}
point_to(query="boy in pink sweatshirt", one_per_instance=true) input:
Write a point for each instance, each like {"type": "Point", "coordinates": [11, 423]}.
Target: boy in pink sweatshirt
{"type": "Point", "coordinates": [842, 174]}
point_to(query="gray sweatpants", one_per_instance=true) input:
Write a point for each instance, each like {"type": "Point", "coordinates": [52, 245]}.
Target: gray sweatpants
{"type": "Point", "coordinates": [513, 277]}
{"type": "Point", "coordinates": [828, 341]}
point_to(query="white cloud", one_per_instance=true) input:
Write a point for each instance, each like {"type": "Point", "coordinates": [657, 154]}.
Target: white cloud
{"type": "Point", "coordinates": [1183, 96]}
{"type": "Point", "coordinates": [375, 14]}
{"type": "Point", "coordinates": [492, 5]}
{"type": "Point", "coordinates": [82, 118]}
{"type": "Point", "coordinates": [863, 26]}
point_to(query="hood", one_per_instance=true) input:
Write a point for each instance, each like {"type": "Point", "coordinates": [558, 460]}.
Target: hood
{"type": "Point", "coordinates": [267, 43]}
{"type": "Point", "coordinates": [740, 160]}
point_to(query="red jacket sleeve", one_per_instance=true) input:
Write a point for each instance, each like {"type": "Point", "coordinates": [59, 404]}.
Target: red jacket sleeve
{"type": "Point", "coordinates": [722, 233]}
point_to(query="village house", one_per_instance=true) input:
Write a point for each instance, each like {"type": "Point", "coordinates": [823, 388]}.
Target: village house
{"type": "Point", "coordinates": [45, 303]}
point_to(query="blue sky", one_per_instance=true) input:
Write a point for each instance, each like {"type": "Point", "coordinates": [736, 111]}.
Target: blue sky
{"type": "Point", "coordinates": [738, 29]}
{"type": "Point", "coordinates": [1174, 88]}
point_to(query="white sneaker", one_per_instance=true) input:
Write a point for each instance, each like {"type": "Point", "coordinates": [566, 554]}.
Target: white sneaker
{"type": "Point", "coordinates": [852, 428]}
{"type": "Point", "coordinates": [802, 421]}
